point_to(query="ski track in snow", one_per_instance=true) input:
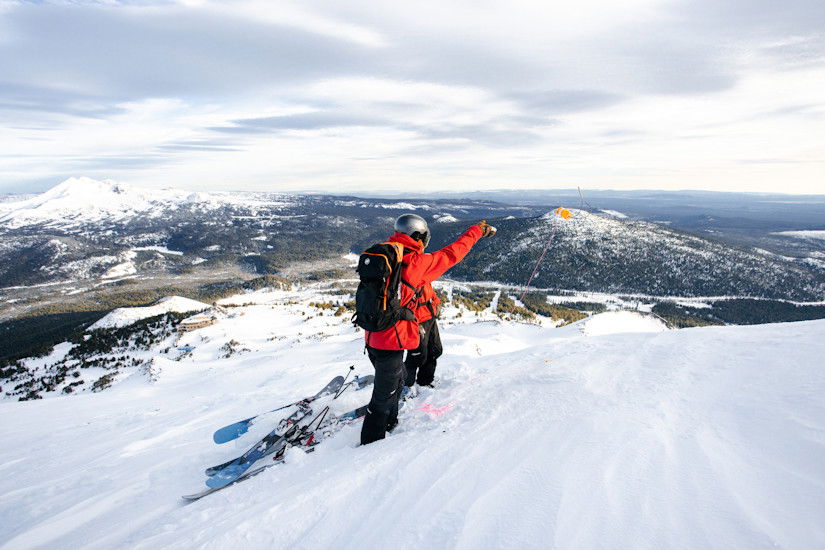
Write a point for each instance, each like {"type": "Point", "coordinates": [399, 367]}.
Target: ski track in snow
{"type": "Point", "coordinates": [547, 438]}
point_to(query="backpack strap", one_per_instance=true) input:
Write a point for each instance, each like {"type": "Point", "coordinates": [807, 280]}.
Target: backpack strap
{"type": "Point", "coordinates": [399, 256]}
{"type": "Point", "coordinates": [416, 293]}
{"type": "Point", "coordinates": [399, 250]}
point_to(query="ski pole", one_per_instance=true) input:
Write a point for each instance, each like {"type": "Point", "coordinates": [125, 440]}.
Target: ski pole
{"type": "Point", "coordinates": [344, 385]}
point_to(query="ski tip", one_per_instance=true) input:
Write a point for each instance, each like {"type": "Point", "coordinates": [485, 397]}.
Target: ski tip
{"type": "Point", "coordinates": [231, 432]}
{"type": "Point", "coordinates": [227, 475]}
{"type": "Point", "coordinates": [218, 482]}
{"type": "Point", "coordinates": [197, 496]}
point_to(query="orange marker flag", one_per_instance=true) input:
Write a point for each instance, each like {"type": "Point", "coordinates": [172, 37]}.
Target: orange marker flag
{"type": "Point", "coordinates": [563, 212]}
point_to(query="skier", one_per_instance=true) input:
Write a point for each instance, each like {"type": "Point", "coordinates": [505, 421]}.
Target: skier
{"type": "Point", "coordinates": [419, 336]}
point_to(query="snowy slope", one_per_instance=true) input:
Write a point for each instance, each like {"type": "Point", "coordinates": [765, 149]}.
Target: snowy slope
{"type": "Point", "coordinates": [125, 316]}
{"type": "Point", "coordinates": [615, 322]}
{"type": "Point", "coordinates": [537, 437]}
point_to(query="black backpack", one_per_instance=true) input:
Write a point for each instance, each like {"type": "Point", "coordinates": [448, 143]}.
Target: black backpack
{"type": "Point", "coordinates": [378, 298]}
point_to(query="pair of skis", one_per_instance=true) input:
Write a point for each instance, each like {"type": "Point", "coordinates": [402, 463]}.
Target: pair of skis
{"type": "Point", "coordinates": [237, 429]}
{"type": "Point", "coordinates": [291, 431]}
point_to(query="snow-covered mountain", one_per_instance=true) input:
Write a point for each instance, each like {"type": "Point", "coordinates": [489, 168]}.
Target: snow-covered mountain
{"type": "Point", "coordinates": [611, 432]}
{"type": "Point", "coordinates": [78, 202]}
{"type": "Point", "coordinates": [82, 229]}
{"type": "Point", "coordinates": [89, 242]}
{"type": "Point", "coordinates": [591, 252]}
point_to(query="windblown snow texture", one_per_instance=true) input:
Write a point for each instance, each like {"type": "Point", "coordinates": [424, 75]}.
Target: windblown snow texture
{"type": "Point", "coordinates": [536, 437]}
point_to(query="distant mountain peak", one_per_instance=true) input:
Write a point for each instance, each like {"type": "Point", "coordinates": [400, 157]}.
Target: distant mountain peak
{"type": "Point", "coordinates": [85, 184]}
{"type": "Point", "coordinates": [81, 191]}
{"type": "Point", "coordinates": [81, 196]}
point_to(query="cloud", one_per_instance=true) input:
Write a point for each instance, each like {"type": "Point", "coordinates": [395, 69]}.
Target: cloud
{"type": "Point", "coordinates": [117, 162]}
{"type": "Point", "coordinates": [491, 134]}
{"type": "Point", "coordinates": [531, 91]}
{"type": "Point", "coordinates": [760, 19]}
{"type": "Point", "coordinates": [132, 52]}
{"type": "Point", "coordinates": [294, 15]}
{"type": "Point", "coordinates": [564, 101]}
{"type": "Point", "coordinates": [29, 99]}
{"type": "Point", "coordinates": [787, 34]}
{"type": "Point", "coordinates": [303, 121]}
{"type": "Point", "coordinates": [198, 145]}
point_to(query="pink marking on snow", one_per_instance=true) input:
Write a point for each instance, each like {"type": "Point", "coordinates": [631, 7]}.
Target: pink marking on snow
{"type": "Point", "coordinates": [434, 411]}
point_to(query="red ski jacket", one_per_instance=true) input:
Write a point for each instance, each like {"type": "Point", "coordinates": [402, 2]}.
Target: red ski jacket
{"type": "Point", "coordinates": [419, 271]}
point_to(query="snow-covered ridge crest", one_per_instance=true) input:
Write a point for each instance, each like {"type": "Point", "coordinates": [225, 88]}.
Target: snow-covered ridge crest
{"type": "Point", "coordinates": [125, 316]}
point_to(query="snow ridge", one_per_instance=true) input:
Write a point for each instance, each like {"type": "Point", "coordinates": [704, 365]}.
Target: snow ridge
{"type": "Point", "coordinates": [125, 316]}
{"type": "Point", "coordinates": [536, 437]}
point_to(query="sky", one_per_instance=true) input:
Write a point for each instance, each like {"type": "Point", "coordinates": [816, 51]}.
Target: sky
{"type": "Point", "coordinates": [419, 96]}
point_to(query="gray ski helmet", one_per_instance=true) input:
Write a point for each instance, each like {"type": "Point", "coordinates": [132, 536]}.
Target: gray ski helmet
{"type": "Point", "coordinates": [415, 226]}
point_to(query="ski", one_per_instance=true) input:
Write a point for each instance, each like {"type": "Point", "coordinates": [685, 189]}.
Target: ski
{"type": "Point", "coordinates": [363, 381]}
{"type": "Point", "coordinates": [355, 414]}
{"type": "Point", "coordinates": [274, 442]}
{"type": "Point", "coordinates": [345, 418]}
{"type": "Point", "coordinates": [247, 475]}
{"type": "Point", "coordinates": [235, 430]}
{"type": "Point", "coordinates": [278, 440]}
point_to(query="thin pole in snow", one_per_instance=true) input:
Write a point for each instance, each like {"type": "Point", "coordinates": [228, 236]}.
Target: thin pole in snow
{"type": "Point", "coordinates": [536, 268]}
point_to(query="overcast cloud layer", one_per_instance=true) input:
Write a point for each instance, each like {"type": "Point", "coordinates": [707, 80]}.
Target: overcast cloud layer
{"type": "Point", "coordinates": [345, 96]}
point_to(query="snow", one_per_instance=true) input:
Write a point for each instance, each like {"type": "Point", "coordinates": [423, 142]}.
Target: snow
{"type": "Point", "coordinates": [124, 268]}
{"type": "Point", "coordinates": [615, 322]}
{"type": "Point", "coordinates": [694, 304]}
{"type": "Point", "coordinates": [351, 259]}
{"type": "Point", "coordinates": [620, 435]}
{"type": "Point", "coordinates": [125, 316]}
{"type": "Point", "coordinates": [802, 234]}
{"type": "Point", "coordinates": [402, 206]}
{"type": "Point", "coordinates": [161, 249]}
{"type": "Point", "coordinates": [90, 198]}
{"type": "Point", "coordinates": [614, 214]}
{"type": "Point", "coordinates": [85, 200]}
{"type": "Point", "coordinates": [120, 270]}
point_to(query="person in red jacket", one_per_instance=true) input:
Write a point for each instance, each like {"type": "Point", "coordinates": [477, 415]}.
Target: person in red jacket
{"type": "Point", "coordinates": [420, 336]}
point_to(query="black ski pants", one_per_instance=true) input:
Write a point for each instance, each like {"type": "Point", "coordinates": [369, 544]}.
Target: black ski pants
{"type": "Point", "coordinates": [382, 411]}
{"type": "Point", "coordinates": [422, 360]}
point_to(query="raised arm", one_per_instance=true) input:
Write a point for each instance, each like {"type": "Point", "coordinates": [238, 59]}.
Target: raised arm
{"type": "Point", "coordinates": [429, 267]}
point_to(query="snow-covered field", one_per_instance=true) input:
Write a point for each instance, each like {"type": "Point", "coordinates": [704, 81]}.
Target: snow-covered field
{"type": "Point", "coordinates": [609, 433]}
